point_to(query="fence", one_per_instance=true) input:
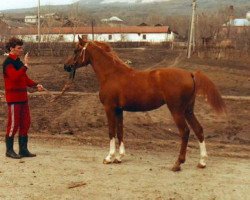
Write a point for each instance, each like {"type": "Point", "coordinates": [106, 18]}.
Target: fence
{"type": "Point", "coordinates": [62, 49]}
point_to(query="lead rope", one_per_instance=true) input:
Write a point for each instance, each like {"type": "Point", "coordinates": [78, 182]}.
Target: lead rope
{"type": "Point", "coordinates": [67, 85]}
{"type": "Point", "coordinates": [72, 74]}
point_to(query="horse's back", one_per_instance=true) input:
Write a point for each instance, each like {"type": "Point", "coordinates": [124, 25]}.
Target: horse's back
{"type": "Point", "coordinates": [175, 77]}
{"type": "Point", "coordinates": [176, 84]}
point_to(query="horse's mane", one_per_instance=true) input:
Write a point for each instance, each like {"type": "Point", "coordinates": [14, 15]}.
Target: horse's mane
{"type": "Point", "coordinates": [107, 50]}
{"type": "Point", "coordinates": [103, 46]}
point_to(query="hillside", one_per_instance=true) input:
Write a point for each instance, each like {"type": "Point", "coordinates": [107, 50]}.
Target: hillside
{"type": "Point", "coordinates": [147, 7]}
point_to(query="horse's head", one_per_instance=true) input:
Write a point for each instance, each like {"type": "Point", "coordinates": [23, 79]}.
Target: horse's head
{"type": "Point", "coordinates": [79, 58]}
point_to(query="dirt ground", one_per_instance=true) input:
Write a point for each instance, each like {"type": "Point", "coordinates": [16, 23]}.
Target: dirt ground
{"type": "Point", "coordinates": [70, 137]}
{"type": "Point", "coordinates": [68, 168]}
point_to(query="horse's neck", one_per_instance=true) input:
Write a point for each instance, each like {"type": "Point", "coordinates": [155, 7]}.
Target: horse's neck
{"type": "Point", "coordinates": [104, 66]}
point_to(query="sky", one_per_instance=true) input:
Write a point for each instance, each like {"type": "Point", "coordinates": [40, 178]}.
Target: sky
{"type": "Point", "coordinates": [13, 4]}
{"type": "Point", "coordinates": [132, 1]}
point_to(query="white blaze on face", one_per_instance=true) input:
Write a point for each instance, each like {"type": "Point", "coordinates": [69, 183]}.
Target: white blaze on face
{"type": "Point", "coordinates": [203, 153]}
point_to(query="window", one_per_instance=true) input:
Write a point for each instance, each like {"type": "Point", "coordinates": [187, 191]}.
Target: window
{"type": "Point", "coordinates": [110, 37]}
{"type": "Point", "coordinates": [144, 37]}
{"type": "Point", "coordinates": [60, 37]}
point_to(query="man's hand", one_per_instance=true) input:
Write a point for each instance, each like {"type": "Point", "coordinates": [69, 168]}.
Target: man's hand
{"type": "Point", "coordinates": [2, 98]}
{"type": "Point", "coordinates": [26, 59]}
{"type": "Point", "coordinates": [40, 88]}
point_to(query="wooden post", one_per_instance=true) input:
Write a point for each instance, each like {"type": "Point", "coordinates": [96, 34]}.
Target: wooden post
{"type": "Point", "coordinates": [38, 27]}
{"type": "Point", "coordinates": [92, 26]}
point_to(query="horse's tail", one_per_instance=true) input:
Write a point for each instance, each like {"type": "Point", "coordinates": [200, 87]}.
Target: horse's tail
{"type": "Point", "coordinates": [205, 87]}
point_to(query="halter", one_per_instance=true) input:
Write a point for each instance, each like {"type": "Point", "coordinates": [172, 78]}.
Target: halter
{"type": "Point", "coordinates": [83, 52]}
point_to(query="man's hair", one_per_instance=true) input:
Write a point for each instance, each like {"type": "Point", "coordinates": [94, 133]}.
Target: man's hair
{"type": "Point", "coordinates": [12, 43]}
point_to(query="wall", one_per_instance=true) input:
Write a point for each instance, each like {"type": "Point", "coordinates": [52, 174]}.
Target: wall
{"type": "Point", "coordinates": [130, 37]}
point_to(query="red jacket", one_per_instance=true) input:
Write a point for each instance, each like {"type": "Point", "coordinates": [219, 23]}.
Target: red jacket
{"type": "Point", "coordinates": [16, 80]}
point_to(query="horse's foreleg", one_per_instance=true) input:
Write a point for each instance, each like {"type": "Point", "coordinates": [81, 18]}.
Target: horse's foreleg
{"type": "Point", "coordinates": [198, 130]}
{"type": "Point", "coordinates": [110, 112]}
{"type": "Point", "coordinates": [119, 124]}
{"type": "Point", "coordinates": [184, 133]}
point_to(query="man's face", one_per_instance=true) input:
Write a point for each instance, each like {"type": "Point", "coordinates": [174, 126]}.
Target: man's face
{"type": "Point", "coordinates": [17, 50]}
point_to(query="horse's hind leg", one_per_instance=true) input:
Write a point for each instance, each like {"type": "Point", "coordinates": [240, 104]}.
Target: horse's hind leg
{"type": "Point", "coordinates": [119, 129]}
{"type": "Point", "coordinates": [179, 119]}
{"type": "Point", "coordinates": [198, 130]}
{"type": "Point", "coordinates": [110, 112]}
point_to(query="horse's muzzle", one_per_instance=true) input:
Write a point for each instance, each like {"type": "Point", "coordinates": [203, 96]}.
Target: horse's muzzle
{"type": "Point", "coordinates": [68, 68]}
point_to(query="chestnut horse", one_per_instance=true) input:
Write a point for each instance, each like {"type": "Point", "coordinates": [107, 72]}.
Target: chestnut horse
{"type": "Point", "coordinates": [123, 88]}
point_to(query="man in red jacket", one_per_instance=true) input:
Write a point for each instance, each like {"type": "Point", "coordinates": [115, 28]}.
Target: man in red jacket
{"type": "Point", "coordinates": [16, 83]}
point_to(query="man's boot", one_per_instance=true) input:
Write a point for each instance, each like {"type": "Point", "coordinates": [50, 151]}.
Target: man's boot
{"type": "Point", "coordinates": [23, 150]}
{"type": "Point", "coordinates": [9, 148]}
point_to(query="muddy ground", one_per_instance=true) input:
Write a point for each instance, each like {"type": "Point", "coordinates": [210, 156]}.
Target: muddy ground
{"type": "Point", "coordinates": [70, 138]}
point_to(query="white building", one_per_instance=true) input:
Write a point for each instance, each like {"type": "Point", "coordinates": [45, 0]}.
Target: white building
{"type": "Point", "coordinates": [31, 19]}
{"type": "Point", "coordinates": [150, 34]}
{"type": "Point", "coordinates": [240, 21]}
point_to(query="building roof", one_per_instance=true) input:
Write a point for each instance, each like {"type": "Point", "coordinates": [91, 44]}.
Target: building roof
{"type": "Point", "coordinates": [31, 17]}
{"type": "Point", "coordinates": [116, 19]}
{"type": "Point", "coordinates": [88, 30]}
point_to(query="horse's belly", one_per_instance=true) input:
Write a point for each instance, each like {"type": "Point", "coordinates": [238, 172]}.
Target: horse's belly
{"type": "Point", "coordinates": [142, 104]}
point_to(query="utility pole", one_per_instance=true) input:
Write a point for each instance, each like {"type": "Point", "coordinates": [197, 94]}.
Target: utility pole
{"type": "Point", "coordinates": [191, 41]}
{"type": "Point", "coordinates": [38, 26]}
{"type": "Point", "coordinates": [194, 31]}
{"type": "Point", "coordinates": [92, 27]}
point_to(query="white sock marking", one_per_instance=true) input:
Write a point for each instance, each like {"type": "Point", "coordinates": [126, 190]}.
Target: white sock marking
{"type": "Point", "coordinates": [111, 150]}
{"type": "Point", "coordinates": [203, 153]}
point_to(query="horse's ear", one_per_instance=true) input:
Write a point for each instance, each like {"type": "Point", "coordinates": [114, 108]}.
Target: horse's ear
{"type": "Point", "coordinates": [80, 39]}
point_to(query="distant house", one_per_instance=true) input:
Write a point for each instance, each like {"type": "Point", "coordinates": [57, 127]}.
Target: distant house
{"type": "Point", "coordinates": [113, 21]}
{"type": "Point", "coordinates": [236, 26]}
{"type": "Point", "coordinates": [31, 19]}
{"type": "Point", "coordinates": [240, 22]}
{"type": "Point", "coordinates": [150, 34]}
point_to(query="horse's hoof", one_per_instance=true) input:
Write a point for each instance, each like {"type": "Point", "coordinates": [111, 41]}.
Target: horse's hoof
{"type": "Point", "coordinates": [116, 161]}
{"type": "Point", "coordinates": [106, 161]}
{"type": "Point", "coordinates": [176, 168]}
{"type": "Point", "coordinates": [201, 166]}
